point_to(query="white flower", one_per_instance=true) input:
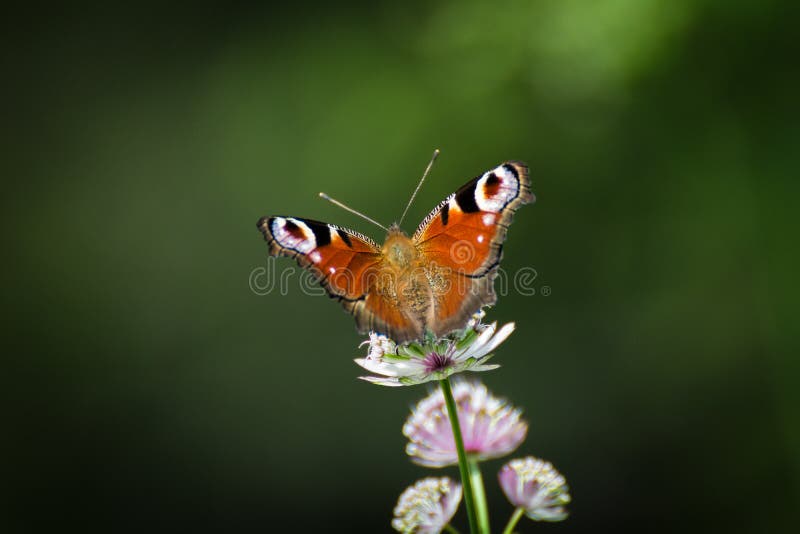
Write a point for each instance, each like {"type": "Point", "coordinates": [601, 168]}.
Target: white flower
{"type": "Point", "coordinates": [490, 427]}
{"type": "Point", "coordinates": [427, 506]}
{"type": "Point", "coordinates": [435, 359]}
{"type": "Point", "coordinates": [535, 486]}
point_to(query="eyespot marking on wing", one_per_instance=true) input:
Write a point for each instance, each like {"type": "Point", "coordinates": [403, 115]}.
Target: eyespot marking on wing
{"type": "Point", "coordinates": [496, 188]}
{"type": "Point", "coordinates": [293, 234]}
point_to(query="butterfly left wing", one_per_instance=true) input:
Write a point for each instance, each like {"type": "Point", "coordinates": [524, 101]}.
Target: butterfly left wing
{"type": "Point", "coordinates": [338, 258]}
{"type": "Point", "coordinates": [463, 237]}
{"type": "Point", "coordinates": [349, 266]}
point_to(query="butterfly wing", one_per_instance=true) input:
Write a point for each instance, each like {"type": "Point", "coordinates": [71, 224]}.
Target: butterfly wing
{"type": "Point", "coordinates": [338, 258]}
{"type": "Point", "coordinates": [463, 237]}
{"type": "Point", "coordinates": [348, 265]}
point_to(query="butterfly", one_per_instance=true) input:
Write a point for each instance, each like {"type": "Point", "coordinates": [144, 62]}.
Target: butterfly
{"type": "Point", "coordinates": [431, 282]}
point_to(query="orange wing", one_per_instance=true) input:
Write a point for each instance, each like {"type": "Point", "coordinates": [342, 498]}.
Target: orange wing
{"type": "Point", "coordinates": [350, 267]}
{"type": "Point", "coordinates": [463, 238]}
{"type": "Point", "coordinates": [340, 259]}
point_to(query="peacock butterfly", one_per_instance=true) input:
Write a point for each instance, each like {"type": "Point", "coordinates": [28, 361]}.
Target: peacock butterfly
{"type": "Point", "coordinates": [433, 281]}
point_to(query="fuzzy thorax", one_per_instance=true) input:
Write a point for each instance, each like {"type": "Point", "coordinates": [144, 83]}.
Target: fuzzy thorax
{"type": "Point", "coordinates": [399, 250]}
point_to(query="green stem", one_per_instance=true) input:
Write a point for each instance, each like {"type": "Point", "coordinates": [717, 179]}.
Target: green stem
{"type": "Point", "coordinates": [481, 510]}
{"type": "Point", "coordinates": [451, 529]}
{"type": "Point", "coordinates": [514, 520]}
{"type": "Point", "coordinates": [463, 468]}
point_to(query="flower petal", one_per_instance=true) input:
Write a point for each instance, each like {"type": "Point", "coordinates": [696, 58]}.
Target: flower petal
{"type": "Point", "coordinates": [500, 336]}
{"type": "Point", "coordinates": [427, 506]}
{"type": "Point", "coordinates": [491, 428]}
{"type": "Point", "coordinates": [434, 359]}
{"type": "Point", "coordinates": [392, 382]}
{"type": "Point", "coordinates": [535, 486]}
{"type": "Point", "coordinates": [477, 347]}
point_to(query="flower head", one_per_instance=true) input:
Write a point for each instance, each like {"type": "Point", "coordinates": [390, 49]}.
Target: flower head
{"type": "Point", "coordinates": [490, 427]}
{"type": "Point", "coordinates": [427, 506]}
{"type": "Point", "coordinates": [537, 487]}
{"type": "Point", "coordinates": [434, 359]}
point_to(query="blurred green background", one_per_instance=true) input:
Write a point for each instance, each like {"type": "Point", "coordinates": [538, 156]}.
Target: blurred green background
{"type": "Point", "coordinates": [149, 388]}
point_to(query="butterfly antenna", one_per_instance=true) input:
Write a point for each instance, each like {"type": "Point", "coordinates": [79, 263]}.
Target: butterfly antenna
{"type": "Point", "coordinates": [351, 210]}
{"type": "Point", "coordinates": [424, 175]}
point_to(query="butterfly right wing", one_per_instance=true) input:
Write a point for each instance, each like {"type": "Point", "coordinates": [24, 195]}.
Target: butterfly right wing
{"type": "Point", "coordinates": [464, 236]}
{"type": "Point", "coordinates": [348, 265]}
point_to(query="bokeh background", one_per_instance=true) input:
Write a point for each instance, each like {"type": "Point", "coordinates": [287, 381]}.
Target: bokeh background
{"type": "Point", "coordinates": [148, 388]}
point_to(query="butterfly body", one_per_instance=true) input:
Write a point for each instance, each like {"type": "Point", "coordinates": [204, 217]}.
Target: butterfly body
{"type": "Point", "coordinates": [399, 250]}
{"type": "Point", "coordinates": [432, 281]}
